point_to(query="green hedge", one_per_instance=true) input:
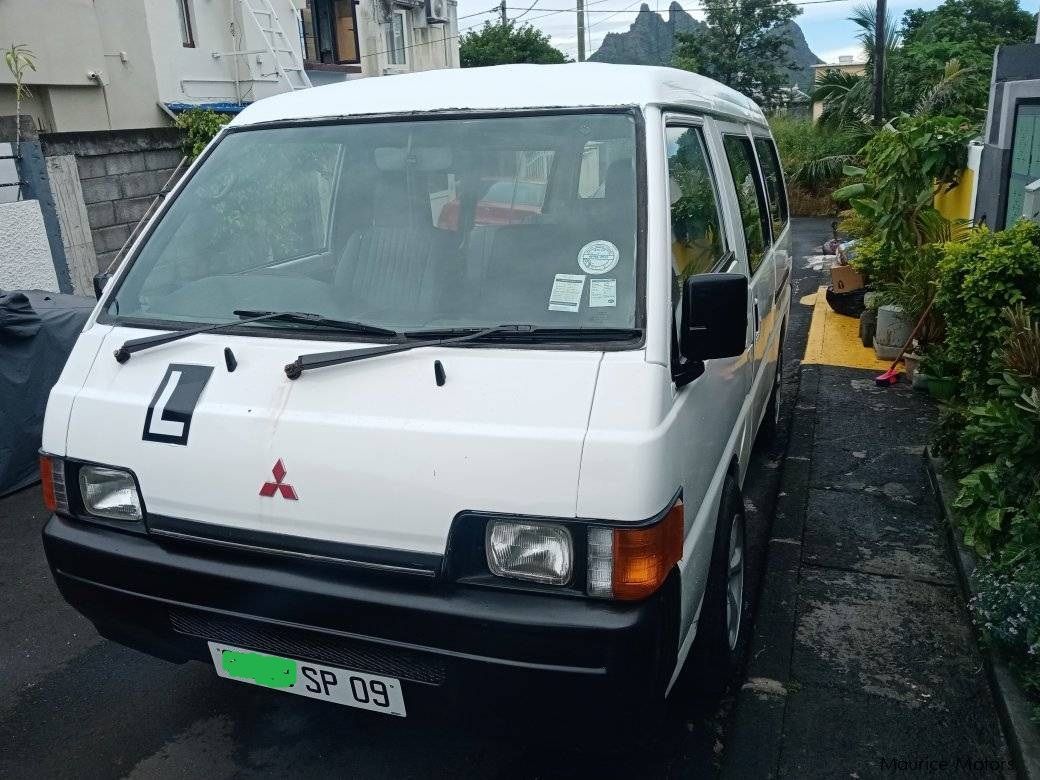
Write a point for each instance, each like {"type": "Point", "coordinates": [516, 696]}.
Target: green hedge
{"type": "Point", "coordinates": [988, 294]}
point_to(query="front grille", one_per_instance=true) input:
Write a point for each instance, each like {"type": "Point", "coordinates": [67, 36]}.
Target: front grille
{"type": "Point", "coordinates": [343, 652]}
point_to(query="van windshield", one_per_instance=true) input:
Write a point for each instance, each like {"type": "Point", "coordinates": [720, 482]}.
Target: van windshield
{"type": "Point", "coordinates": [405, 225]}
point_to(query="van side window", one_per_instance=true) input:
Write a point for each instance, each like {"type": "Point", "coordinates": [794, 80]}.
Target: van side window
{"type": "Point", "coordinates": [750, 197]}
{"type": "Point", "coordinates": [770, 163]}
{"type": "Point", "coordinates": [698, 239]}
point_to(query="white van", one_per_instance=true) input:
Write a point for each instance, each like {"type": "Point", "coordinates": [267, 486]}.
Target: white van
{"type": "Point", "coordinates": [435, 382]}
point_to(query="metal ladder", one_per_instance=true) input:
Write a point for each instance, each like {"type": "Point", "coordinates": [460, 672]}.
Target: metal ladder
{"type": "Point", "coordinates": [286, 63]}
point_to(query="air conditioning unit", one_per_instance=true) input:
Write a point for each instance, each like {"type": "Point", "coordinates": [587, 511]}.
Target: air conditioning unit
{"type": "Point", "coordinates": [437, 12]}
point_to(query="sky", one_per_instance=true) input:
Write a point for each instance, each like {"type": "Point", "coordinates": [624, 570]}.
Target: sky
{"type": "Point", "coordinates": [824, 22]}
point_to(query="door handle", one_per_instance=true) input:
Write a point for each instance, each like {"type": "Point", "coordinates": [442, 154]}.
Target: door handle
{"type": "Point", "coordinates": [757, 323]}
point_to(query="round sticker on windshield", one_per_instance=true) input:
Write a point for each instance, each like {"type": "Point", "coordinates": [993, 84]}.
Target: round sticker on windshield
{"type": "Point", "coordinates": [598, 257]}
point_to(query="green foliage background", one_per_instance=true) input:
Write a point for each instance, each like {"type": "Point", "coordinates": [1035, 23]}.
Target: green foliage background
{"type": "Point", "coordinates": [505, 44]}
{"type": "Point", "coordinates": [744, 46]}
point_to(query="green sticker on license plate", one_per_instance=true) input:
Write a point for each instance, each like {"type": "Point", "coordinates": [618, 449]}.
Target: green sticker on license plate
{"type": "Point", "coordinates": [269, 670]}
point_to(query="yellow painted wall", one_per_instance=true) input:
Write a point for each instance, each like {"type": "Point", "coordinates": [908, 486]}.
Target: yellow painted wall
{"type": "Point", "coordinates": [956, 204]}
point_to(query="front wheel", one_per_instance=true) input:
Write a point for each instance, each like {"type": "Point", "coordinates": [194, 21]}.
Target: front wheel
{"type": "Point", "coordinates": [722, 629]}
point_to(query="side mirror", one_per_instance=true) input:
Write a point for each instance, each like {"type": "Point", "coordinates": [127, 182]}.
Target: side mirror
{"type": "Point", "coordinates": [714, 316]}
{"type": "Point", "coordinates": [101, 281]}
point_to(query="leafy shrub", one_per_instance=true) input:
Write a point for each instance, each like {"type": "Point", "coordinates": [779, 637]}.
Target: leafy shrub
{"type": "Point", "coordinates": [1008, 605]}
{"type": "Point", "coordinates": [200, 126]}
{"type": "Point", "coordinates": [852, 224]}
{"type": "Point", "coordinates": [999, 501]}
{"type": "Point", "coordinates": [906, 164]}
{"type": "Point", "coordinates": [1021, 352]}
{"type": "Point", "coordinates": [1007, 608]}
{"type": "Point", "coordinates": [978, 278]}
{"type": "Point", "coordinates": [876, 261]}
{"type": "Point", "coordinates": [913, 289]}
{"type": "Point", "coordinates": [812, 156]}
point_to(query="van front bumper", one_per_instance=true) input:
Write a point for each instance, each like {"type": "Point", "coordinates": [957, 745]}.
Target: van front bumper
{"type": "Point", "coordinates": [441, 639]}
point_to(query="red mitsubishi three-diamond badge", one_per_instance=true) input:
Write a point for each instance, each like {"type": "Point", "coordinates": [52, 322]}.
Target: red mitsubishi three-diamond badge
{"type": "Point", "coordinates": [279, 485]}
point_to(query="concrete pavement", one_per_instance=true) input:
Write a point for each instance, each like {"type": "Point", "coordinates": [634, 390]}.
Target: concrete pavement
{"type": "Point", "coordinates": [863, 663]}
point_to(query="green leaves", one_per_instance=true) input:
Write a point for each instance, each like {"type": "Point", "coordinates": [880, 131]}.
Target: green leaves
{"type": "Point", "coordinates": [200, 126]}
{"type": "Point", "coordinates": [745, 46]}
{"type": "Point", "coordinates": [505, 44]}
{"type": "Point", "coordinates": [851, 191]}
{"type": "Point", "coordinates": [906, 162]}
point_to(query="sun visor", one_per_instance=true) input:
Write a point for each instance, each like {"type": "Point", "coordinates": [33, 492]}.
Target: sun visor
{"type": "Point", "coordinates": [426, 158]}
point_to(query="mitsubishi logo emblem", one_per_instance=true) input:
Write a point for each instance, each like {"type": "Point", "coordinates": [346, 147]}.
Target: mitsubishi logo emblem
{"type": "Point", "coordinates": [278, 486]}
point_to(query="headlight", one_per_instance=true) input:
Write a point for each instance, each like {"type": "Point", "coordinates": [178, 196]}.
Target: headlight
{"type": "Point", "coordinates": [536, 552]}
{"type": "Point", "coordinates": [110, 493]}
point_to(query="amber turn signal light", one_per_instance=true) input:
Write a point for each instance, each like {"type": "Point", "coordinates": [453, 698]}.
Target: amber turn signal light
{"type": "Point", "coordinates": [643, 557]}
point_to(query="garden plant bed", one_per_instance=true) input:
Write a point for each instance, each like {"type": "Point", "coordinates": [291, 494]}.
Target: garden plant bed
{"type": "Point", "coordinates": [1013, 706]}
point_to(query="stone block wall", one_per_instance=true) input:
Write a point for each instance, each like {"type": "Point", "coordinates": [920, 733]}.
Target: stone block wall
{"type": "Point", "coordinates": [121, 172]}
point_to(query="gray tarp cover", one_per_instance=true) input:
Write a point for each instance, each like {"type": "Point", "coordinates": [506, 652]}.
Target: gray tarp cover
{"type": "Point", "coordinates": [37, 331]}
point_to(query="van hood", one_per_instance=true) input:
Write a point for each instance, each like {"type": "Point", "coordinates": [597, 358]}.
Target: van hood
{"type": "Point", "coordinates": [372, 453]}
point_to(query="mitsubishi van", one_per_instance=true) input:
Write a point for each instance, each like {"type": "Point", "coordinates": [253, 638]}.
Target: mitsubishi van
{"type": "Point", "coordinates": [440, 384]}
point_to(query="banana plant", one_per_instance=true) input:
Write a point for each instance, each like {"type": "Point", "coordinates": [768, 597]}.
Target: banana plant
{"type": "Point", "coordinates": [19, 59]}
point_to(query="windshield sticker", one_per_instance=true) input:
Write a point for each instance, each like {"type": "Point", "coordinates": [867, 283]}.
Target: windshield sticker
{"type": "Point", "coordinates": [566, 292]}
{"type": "Point", "coordinates": [170, 411]}
{"type": "Point", "coordinates": [598, 257]}
{"type": "Point", "coordinates": [602, 292]}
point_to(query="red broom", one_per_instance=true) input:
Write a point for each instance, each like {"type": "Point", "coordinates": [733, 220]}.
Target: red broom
{"type": "Point", "coordinates": [891, 376]}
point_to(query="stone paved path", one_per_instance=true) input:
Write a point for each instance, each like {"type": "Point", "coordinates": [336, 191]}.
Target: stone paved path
{"type": "Point", "coordinates": [863, 662]}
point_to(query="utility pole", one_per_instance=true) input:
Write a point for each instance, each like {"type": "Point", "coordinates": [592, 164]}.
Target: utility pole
{"type": "Point", "coordinates": [879, 63]}
{"type": "Point", "coordinates": [502, 10]}
{"type": "Point", "coordinates": [1038, 28]}
{"type": "Point", "coordinates": [581, 30]}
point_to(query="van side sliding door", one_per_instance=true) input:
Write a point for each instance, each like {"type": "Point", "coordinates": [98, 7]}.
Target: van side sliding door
{"type": "Point", "coordinates": [756, 234]}
{"type": "Point", "coordinates": [707, 410]}
{"type": "Point", "coordinates": [779, 216]}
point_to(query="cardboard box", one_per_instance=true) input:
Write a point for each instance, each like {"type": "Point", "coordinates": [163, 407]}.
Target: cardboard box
{"type": "Point", "coordinates": [845, 278]}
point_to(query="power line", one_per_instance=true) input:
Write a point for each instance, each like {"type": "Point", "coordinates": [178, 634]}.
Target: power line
{"type": "Point", "coordinates": [688, 8]}
{"type": "Point", "coordinates": [438, 40]}
{"type": "Point", "coordinates": [521, 16]}
{"type": "Point", "coordinates": [607, 18]}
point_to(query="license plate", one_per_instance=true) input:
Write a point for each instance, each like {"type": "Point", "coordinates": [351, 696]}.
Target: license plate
{"type": "Point", "coordinates": [315, 681]}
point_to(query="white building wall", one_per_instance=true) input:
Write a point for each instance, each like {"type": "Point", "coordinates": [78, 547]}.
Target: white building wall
{"type": "Point", "coordinates": [429, 46]}
{"type": "Point", "coordinates": [194, 75]}
{"type": "Point", "coordinates": [134, 50]}
{"type": "Point", "coordinates": [71, 40]}
{"type": "Point", "coordinates": [25, 254]}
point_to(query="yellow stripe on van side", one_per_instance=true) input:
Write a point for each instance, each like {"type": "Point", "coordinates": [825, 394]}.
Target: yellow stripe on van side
{"type": "Point", "coordinates": [834, 338]}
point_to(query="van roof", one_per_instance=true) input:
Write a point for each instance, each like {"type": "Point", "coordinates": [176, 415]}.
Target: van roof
{"type": "Point", "coordinates": [504, 87]}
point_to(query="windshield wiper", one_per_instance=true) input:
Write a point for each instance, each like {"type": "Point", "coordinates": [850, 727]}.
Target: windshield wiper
{"type": "Point", "coordinates": [449, 336]}
{"type": "Point", "coordinates": [246, 316]}
{"type": "Point", "coordinates": [531, 333]}
{"type": "Point", "coordinates": [320, 320]}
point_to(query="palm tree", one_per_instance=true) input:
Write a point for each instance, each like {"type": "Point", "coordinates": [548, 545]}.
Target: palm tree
{"type": "Point", "coordinates": [845, 98]}
{"type": "Point", "coordinates": [945, 89]}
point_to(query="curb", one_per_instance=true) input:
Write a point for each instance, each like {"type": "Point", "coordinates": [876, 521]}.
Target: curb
{"type": "Point", "coordinates": [1022, 736]}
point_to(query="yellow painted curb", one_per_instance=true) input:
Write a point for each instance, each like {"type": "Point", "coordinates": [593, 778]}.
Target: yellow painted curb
{"type": "Point", "coordinates": [834, 338]}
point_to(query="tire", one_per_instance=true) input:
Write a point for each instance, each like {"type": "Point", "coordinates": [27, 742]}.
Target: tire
{"type": "Point", "coordinates": [723, 627]}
